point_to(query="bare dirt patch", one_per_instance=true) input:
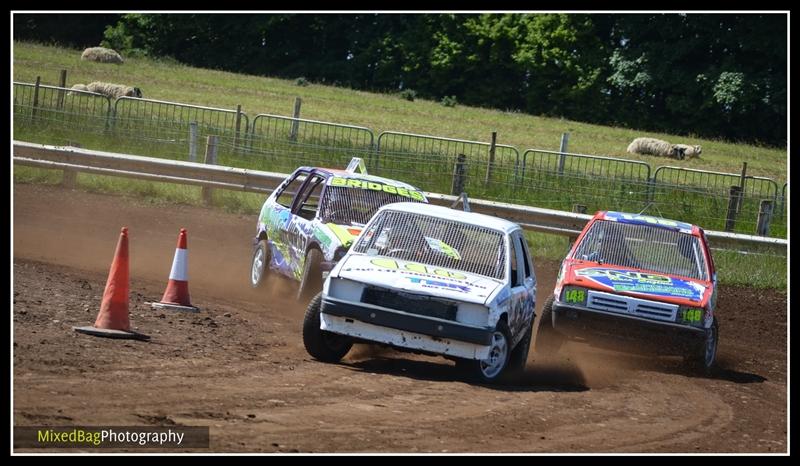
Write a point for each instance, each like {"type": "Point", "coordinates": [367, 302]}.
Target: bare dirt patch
{"type": "Point", "coordinates": [239, 367]}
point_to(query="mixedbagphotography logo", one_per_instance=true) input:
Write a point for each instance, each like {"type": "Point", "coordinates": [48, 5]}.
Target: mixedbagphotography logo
{"type": "Point", "coordinates": [83, 437]}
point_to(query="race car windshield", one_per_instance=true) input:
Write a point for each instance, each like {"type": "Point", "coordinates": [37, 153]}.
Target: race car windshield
{"type": "Point", "coordinates": [435, 241]}
{"type": "Point", "coordinates": [354, 205]}
{"type": "Point", "coordinates": [643, 247]}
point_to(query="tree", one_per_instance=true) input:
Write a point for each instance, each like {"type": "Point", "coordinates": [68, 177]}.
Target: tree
{"type": "Point", "coordinates": [715, 75]}
{"type": "Point", "coordinates": [67, 29]}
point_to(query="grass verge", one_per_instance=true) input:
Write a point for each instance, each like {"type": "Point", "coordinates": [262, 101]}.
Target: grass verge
{"type": "Point", "coordinates": [750, 270]}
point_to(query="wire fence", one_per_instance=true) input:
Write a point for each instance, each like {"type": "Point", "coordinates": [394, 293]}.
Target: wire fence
{"type": "Point", "coordinates": [754, 186]}
{"type": "Point", "coordinates": [488, 171]}
{"type": "Point", "coordinates": [283, 143]}
{"type": "Point", "coordinates": [154, 118]}
{"type": "Point", "coordinates": [54, 115]}
{"type": "Point", "coordinates": [80, 109]}
{"type": "Point", "coordinates": [782, 201]}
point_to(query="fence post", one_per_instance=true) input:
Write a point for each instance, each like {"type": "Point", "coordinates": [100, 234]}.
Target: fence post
{"type": "Point", "coordinates": [111, 115]}
{"type": "Point", "coordinates": [733, 200]}
{"type": "Point", "coordinates": [238, 126]}
{"type": "Point", "coordinates": [741, 185]}
{"type": "Point", "coordinates": [562, 149]}
{"type": "Point", "coordinates": [211, 159]}
{"type": "Point", "coordinates": [459, 175]}
{"type": "Point", "coordinates": [578, 209]}
{"type": "Point", "coordinates": [193, 141]}
{"type": "Point", "coordinates": [781, 206]}
{"type": "Point", "coordinates": [36, 96]}
{"type": "Point", "coordinates": [764, 217]}
{"type": "Point", "coordinates": [62, 82]}
{"type": "Point", "coordinates": [295, 124]}
{"type": "Point", "coordinates": [70, 177]}
{"type": "Point", "coordinates": [490, 163]}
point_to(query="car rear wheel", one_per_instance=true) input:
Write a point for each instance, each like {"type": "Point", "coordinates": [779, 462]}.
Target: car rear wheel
{"type": "Point", "coordinates": [311, 282]}
{"type": "Point", "coordinates": [548, 340]}
{"type": "Point", "coordinates": [321, 344]}
{"type": "Point", "coordinates": [519, 356]}
{"type": "Point", "coordinates": [259, 266]}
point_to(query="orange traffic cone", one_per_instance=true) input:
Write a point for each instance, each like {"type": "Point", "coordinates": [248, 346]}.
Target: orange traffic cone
{"type": "Point", "coordinates": [176, 296]}
{"type": "Point", "coordinates": [112, 320]}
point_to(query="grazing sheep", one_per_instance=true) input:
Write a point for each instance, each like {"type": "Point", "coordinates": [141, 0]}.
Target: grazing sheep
{"type": "Point", "coordinates": [650, 146]}
{"type": "Point", "coordinates": [690, 151]}
{"type": "Point", "coordinates": [101, 55]}
{"type": "Point", "coordinates": [78, 87]}
{"type": "Point", "coordinates": [114, 91]}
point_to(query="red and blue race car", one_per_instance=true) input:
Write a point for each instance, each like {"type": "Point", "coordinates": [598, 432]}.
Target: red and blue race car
{"type": "Point", "coordinates": [633, 278]}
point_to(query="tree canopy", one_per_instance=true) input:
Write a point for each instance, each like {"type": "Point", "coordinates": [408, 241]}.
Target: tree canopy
{"type": "Point", "coordinates": [710, 75]}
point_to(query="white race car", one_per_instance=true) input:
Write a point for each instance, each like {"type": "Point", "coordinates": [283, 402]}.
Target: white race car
{"type": "Point", "coordinates": [432, 280]}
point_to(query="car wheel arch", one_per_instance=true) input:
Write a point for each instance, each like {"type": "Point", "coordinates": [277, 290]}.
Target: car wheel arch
{"type": "Point", "coordinates": [313, 245]}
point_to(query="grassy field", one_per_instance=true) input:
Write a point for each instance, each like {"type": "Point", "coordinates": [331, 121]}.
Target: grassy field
{"type": "Point", "coordinates": [165, 80]}
{"type": "Point", "coordinates": [170, 81]}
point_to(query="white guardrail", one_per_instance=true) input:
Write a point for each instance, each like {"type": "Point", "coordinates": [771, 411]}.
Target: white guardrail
{"type": "Point", "coordinates": [240, 179]}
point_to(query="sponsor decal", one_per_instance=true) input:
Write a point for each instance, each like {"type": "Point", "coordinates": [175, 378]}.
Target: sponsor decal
{"type": "Point", "coordinates": [440, 246]}
{"type": "Point", "coordinates": [419, 268]}
{"type": "Point", "coordinates": [343, 234]}
{"type": "Point", "coordinates": [641, 282]}
{"type": "Point", "coordinates": [277, 216]}
{"type": "Point", "coordinates": [646, 219]}
{"type": "Point", "coordinates": [323, 238]}
{"type": "Point", "coordinates": [375, 186]}
{"type": "Point", "coordinates": [428, 283]}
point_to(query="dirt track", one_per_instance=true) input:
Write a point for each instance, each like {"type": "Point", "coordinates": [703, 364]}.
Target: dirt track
{"type": "Point", "coordinates": [239, 366]}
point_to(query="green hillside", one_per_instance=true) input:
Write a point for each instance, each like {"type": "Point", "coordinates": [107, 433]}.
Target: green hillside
{"type": "Point", "coordinates": [380, 112]}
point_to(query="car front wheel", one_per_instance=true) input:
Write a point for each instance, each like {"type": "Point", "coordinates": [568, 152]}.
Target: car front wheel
{"type": "Point", "coordinates": [705, 353]}
{"type": "Point", "coordinates": [490, 370]}
{"type": "Point", "coordinates": [259, 266]}
{"type": "Point", "coordinates": [321, 344]}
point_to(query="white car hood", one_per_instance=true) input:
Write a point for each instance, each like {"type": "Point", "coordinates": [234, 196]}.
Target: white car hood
{"type": "Point", "coordinates": [418, 278]}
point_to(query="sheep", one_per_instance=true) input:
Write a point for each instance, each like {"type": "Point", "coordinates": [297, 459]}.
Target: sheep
{"type": "Point", "coordinates": [663, 148]}
{"type": "Point", "coordinates": [650, 146]}
{"type": "Point", "coordinates": [114, 91]}
{"type": "Point", "coordinates": [77, 87]}
{"type": "Point", "coordinates": [690, 151]}
{"type": "Point", "coordinates": [101, 55]}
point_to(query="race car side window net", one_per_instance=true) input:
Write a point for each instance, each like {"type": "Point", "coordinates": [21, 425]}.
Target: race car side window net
{"type": "Point", "coordinates": [286, 196]}
{"type": "Point", "coordinates": [345, 206]}
{"type": "Point", "coordinates": [643, 247]}
{"type": "Point", "coordinates": [307, 205]}
{"type": "Point", "coordinates": [437, 242]}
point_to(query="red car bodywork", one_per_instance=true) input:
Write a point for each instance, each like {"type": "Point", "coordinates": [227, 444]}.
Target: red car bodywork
{"type": "Point", "coordinates": [569, 274]}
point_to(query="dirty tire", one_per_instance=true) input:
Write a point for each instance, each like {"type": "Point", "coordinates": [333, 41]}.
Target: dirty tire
{"type": "Point", "coordinates": [548, 340]}
{"type": "Point", "coordinates": [320, 344]}
{"type": "Point", "coordinates": [485, 371]}
{"type": "Point", "coordinates": [704, 354]}
{"type": "Point", "coordinates": [259, 265]}
{"type": "Point", "coordinates": [311, 282]}
{"type": "Point", "coordinates": [519, 356]}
